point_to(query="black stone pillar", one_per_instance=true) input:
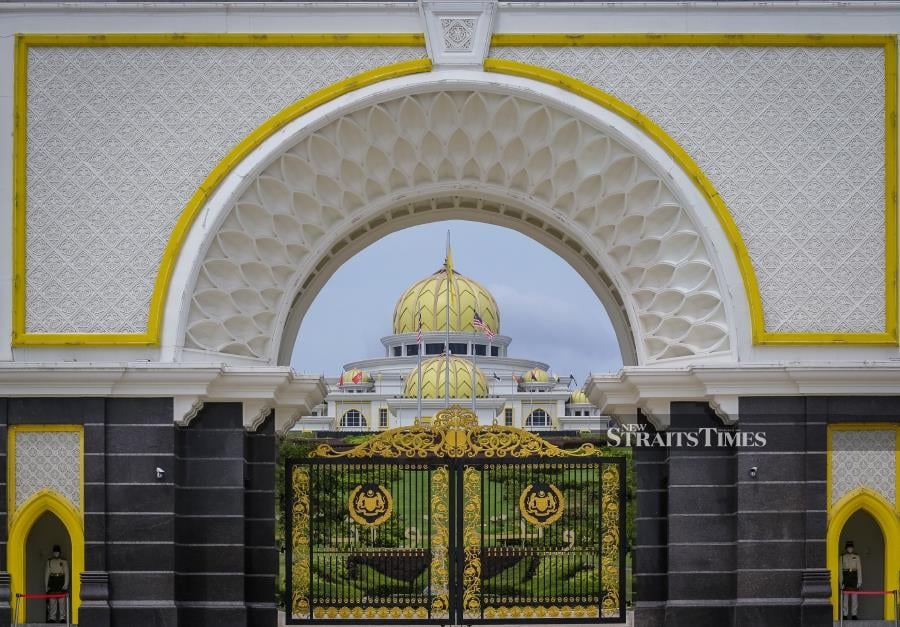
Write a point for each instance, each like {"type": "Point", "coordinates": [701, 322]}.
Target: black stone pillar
{"type": "Point", "coordinates": [209, 520]}
{"type": "Point", "coordinates": [5, 609]}
{"type": "Point", "coordinates": [701, 526]}
{"type": "Point", "coordinates": [140, 506]}
{"type": "Point", "coordinates": [650, 555]}
{"type": "Point", "coordinates": [94, 610]}
{"type": "Point", "coordinates": [781, 514]}
{"type": "Point", "coordinates": [260, 553]}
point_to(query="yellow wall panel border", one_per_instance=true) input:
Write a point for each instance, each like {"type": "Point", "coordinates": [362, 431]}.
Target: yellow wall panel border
{"type": "Point", "coordinates": [20, 336]}
{"type": "Point", "coordinates": [21, 519]}
{"type": "Point", "coordinates": [152, 336]}
{"type": "Point", "coordinates": [888, 42]}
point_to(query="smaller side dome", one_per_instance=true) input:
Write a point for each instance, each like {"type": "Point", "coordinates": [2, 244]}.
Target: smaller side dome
{"type": "Point", "coordinates": [536, 375]}
{"type": "Point", "coordinates": [579, 398]}
{"type": "Point", "coordinates": [435, 379]}
{"type": "Point", "coordinates": [355, 376]}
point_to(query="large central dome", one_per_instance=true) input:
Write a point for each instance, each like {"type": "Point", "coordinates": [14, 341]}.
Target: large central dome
{"type": "Point", "coordinates": [429, 297]}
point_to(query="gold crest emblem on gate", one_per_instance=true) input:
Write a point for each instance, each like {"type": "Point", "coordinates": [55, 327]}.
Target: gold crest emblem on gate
{"type": "Point", "coordinates": [370, 504]}
{"type": "Point", "coordinates": [541, 504]}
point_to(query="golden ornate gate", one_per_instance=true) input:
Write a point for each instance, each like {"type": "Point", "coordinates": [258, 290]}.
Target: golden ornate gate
{"type": "Point", "coordinates": [456, 523]}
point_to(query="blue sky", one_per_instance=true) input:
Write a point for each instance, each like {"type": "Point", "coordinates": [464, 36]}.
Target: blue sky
{"type": "Point", "coordinates": [545, 306]}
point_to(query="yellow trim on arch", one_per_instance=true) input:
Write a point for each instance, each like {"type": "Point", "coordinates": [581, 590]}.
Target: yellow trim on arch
{"type": "Point", "coordinates": [21, 519]}
{"type": "Point", "coordinates": [888, 42]}
{"type": "Point", "coordinates": [151, 337]}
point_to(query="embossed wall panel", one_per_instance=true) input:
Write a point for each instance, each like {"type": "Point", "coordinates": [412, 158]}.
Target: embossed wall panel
{"type": "Point", "coordinates": [793, 140]}
{"type": "Point", "coordinates": [48, 460]}
{"type": "Point", "coordinates": [864, 458]}
{"type": "Point", "coordinates": [119, 138]}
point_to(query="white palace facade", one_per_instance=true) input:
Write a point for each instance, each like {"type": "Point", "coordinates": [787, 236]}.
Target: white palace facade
{"type": "Point", "coordinates": [383, 392]}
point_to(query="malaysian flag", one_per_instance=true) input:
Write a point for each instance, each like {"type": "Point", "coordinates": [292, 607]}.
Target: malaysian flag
{"type": "Point", "coordinates": [478, 323]}
{"type": "Point", "coordinates": [419, 329]}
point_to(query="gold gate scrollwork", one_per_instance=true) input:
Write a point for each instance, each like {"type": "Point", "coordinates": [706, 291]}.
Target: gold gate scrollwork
{"type": "Point", "coordinates": [455, 433]}
{"type": "Point", "coordinates": [300, 572]}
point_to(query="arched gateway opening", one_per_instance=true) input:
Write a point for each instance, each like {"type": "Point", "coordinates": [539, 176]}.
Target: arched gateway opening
{"type": "Point", "coordinates": [574, 176]}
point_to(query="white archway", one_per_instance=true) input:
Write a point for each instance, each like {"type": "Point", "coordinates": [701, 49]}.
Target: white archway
{"type": "Point", "coordinates": [455, 144]}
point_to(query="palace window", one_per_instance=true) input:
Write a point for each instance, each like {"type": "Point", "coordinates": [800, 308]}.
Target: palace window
{"type": "Point", "coordinates": [382, 418]}
{"type": "Point", "coordinates": [434, 349]}
{"type": "Point", "coordinates": [480, 349]}
{"type": "Point", "coordinates": [508, 417]}
{"type": "Point", "coordinates": [538, 419]}
{"type": "Point", "coordinates": [398, 351]}
{"type": "Point", "coordinates": [457, 348]}
{"type": "Point", "coordinates": [412, 349]}
{"type": "Point", "coordinates": [495, 351]}
{"type": "Point", "coordinates": [353, 419]}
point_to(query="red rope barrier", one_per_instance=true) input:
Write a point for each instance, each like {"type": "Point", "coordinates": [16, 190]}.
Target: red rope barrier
{"type": "Point", "coordinates": [62, 595]}
{"type": "Point", "coordinates": [869, 592]}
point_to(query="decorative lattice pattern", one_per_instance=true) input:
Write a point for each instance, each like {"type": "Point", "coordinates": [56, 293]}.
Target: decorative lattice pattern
{"type": "Point", "coordinates": [793, 140]}
{"type": "Point", "coordinates": [863, 458]}
{"type": "Point", "coordinates": [595, 187]}
{"type": "Point", "coordinates": [48, 460]}
{"type": "Point", "coordinates": [118, 140]}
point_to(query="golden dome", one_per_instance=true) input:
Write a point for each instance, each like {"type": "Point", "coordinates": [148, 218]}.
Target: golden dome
{"type": "Point", "coordinates": [536, 375]}
{"type": "Point", "coordinates": [355, 376]}
{"type": "Point", "coordinates": [429, 296]}
{"type": "Point", "coordinates": [434, 379]}
{"type": "Point", "coordinates": [579, 398]}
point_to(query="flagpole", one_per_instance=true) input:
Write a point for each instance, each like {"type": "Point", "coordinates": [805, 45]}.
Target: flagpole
{"type": "Point", "coordinates": [419, 368]}
{"type": "Point", "coordinates": [474, 357]}
{"type": "Point", "coordinates": [448, 266]}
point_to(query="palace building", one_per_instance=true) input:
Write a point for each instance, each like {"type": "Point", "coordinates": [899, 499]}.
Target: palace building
{"type": "Point", "coordinates": [384, 392]}
{"type": "Point", "coordinates": [179, 180]}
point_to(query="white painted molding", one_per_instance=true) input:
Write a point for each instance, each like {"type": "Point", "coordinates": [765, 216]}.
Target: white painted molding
{"type": "Point", "coordinates": [255, 413]}
{"type": "Point", "coordinates": [260, 389]}
{"type": "Point", "coordinates": [458, 32]}
{"type": "Point", "coordinates": [286, 416]}
{"type": "Point", "coordinates": [726, 408]}
{"type": "Point", "coordinates": [646, 388]}
{"type": "Point", "coordinates": [185, 409]}
{"type": "Point", "coordinates": [656, 410]}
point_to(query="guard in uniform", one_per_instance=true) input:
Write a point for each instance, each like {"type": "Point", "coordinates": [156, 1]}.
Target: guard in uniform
{"type": "Point", "coordinates": [851, 579]}
{"type": "Point", "coordinates": [56, 581]}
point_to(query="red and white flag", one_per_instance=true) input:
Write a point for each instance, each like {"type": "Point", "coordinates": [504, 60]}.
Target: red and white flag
{"type": "Point", "coordinates": [479, 324]}
{"type": "Point", "coordinates": [419, 329]}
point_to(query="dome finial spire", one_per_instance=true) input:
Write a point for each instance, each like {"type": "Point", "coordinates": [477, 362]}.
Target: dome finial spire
{"type": "Point", "coordinates": [448, 258]}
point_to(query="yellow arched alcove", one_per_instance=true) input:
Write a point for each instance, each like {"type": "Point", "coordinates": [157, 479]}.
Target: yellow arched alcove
{"type": "Point", "coordinates": [45, 501]}
{"type": "Point", "coordinates": [887, 519]}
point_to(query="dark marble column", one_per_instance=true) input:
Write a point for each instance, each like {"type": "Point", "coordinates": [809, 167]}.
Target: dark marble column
{"type": "Point", "coordinates": [5, 610]}
{"type": "Point", "coordinates": [701, 526]}
{"type": "Point", "coordinates": [209, 520]}
{"type": "Point", "coordinates": [140, 508]}
{"type": "Point", "coordinates": [95, 610]}
{"type": "Point", "coordinates": [650, 553]}
{"type": "Point", "coordinates": [260, 553]}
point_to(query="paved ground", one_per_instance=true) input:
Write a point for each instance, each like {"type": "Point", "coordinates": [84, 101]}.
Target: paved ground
{"type": "Point", "coordinates": [629, 622]}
